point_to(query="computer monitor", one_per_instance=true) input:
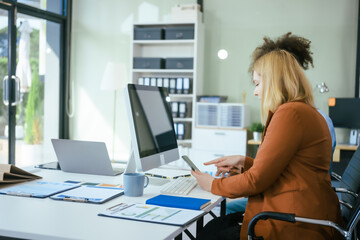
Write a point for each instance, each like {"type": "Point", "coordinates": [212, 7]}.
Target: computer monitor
{"type": "Point", "coordinates": [153, 137]}
{"type": "Point", "coordinates": [345, 112]}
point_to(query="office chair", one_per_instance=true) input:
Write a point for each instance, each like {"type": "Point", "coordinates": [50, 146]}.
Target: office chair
{"type": "Point", "coordinates": [348, 185]}
{"type": "Point", "coordinates": [349, 199]}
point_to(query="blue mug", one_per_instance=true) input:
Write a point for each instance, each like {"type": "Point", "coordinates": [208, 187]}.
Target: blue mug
{"type": "Point", "coordinates": [134, 184]}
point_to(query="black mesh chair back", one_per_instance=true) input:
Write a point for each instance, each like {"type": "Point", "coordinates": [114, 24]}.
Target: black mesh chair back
{"type": "Point", "coordinates": [354, 218]}
{"type": "Point", "coordinates": [351, 181]}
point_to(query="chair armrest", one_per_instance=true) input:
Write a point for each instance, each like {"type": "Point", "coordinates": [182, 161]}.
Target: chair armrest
{"type": "Point", "coordinates": [348, 205]}
{"type": "Point", "coordinates": [347, 191]}
{"type": "Point", "coordinates": [336, 176]}
{"type": "Point", "coordinates": [289, 217]}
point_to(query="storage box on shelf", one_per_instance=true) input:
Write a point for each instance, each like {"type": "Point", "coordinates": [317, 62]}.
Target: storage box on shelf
{"type": "Point", "coordinates": [180, 45]}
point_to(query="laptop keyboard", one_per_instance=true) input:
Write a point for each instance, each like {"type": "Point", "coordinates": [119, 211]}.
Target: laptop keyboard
{"type": "Point", "coordinates": [118, 171]}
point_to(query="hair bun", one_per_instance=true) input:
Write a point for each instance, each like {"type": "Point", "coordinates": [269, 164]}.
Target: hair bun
{"type": "Point", "coordinates": [297, 46]}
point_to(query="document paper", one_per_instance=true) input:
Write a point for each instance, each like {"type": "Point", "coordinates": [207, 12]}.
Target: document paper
{"type": "Point", "coordinates": [150, 213]}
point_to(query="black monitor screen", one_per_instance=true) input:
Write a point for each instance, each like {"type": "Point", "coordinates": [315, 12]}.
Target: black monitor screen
{"type": "Point", "coordinates": [152, 119]}
{"type": "Point", "coordinates": [345, 112]}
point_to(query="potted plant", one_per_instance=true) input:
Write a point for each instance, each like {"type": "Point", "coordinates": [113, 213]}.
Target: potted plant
{"type": "Point", "coordinates": [257, 128]}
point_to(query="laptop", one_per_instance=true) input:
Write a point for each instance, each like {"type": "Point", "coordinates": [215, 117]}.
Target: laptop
{"type": "Point", "coordinates": [84, 157]}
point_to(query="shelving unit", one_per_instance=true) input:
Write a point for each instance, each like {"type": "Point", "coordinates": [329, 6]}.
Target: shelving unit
{"type": "Point", "coordinates": [179, 48]}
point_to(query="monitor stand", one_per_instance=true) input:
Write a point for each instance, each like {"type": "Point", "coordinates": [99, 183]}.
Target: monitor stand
{"type": "Point", "coordinates": [131, 165]}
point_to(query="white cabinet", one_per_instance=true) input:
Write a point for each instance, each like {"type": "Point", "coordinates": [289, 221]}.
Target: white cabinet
{"type": "Point", "coordinates": [174, 48]}
{"type": "Point", "coordinates": [211, 143]}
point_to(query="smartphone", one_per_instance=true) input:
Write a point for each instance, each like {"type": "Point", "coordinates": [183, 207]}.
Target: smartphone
{"type": "Point", "coordinates": [190, 163]}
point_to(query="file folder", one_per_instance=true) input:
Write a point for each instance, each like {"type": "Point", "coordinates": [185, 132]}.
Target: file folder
{"type": "Point", "coordinates": [159, 82]}
{"type": "Point", "coordinates": [141, 81]}
{"type": "Point", "coordinates": [179, 85]}
{"type": "Point", "coordinates": [182, 109]}
{"type": "Point", "coordinates": [172, 87]}
{"type": "Point", "coordinates": [153, 82]}
{"type": "Point", "coordinates": [181, 131]}
{"type": "Point", "coordinates": [186, 86]}
{"type": "Point", "coordinates": [175, 109]}
{"type": "Point", "coordinates": [147, 81]}
{"type": "Point", "coordinates": [12, 174]}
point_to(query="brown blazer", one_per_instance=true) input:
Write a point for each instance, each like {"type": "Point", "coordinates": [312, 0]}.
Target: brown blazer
{"type": "Point", "coordinates": [289, 174]}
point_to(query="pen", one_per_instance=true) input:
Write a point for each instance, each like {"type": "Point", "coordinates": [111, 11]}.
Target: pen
{"type": "Point", "coordinates": [156, 175]}
{"type": "Point", "coordinates": [19, 194]}
{"type": "Point", "coordinates": [75, 199]}
{"type": "Point", "coordinates": [186, 175]}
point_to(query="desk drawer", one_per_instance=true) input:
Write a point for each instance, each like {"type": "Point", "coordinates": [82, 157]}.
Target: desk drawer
{"type": "Point", "coordinates": [220, 140]}
{"type": "Point", "coordinates": [201, 156]}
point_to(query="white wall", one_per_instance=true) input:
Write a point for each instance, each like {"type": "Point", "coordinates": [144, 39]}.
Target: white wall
{"type": "Point", "coordinates": [101, 33]}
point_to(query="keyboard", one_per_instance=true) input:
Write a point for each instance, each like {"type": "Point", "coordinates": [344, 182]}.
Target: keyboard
{"type": "Point", "coordinates": [179, 186]}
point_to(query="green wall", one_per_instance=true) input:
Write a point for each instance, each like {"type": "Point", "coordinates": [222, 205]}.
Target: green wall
{"type": "Point", "coordinates": [101, 32]}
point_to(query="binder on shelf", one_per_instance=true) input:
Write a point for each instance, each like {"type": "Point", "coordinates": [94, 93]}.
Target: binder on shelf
{"type": "Point", "coordinates": [180, 131]}
{"type": "Point", "coordinates": [153, 82]}
{"type": "Point", "coordinates": [182, 109]}
{"type": "Point", "coordinates": [175, 109]}
{"type": "Point", "coordinates": [175, 128]}
{"type": "Point", "coordinates": [141, 81]}
{"type": "Point", "coordinates": [186, 86]}
{"type": "Point", "coordinates": [179, 202]}
{"type": "Point", "coordinates": [179, 85]}
{"type": "Point", "coordinates": [147, 81]}
{"type": "Point", "coordinates": [166, 83]}
{"type": "Point", "coordinates": [172, 85]}
{"type": "Point", "coordinates": [159, 82]}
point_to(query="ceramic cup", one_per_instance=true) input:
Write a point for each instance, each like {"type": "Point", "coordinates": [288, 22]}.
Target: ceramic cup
{"type": "Point", "coordinates": [134, 184]}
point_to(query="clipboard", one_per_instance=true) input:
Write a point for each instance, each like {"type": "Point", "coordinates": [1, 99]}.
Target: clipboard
{"type": "Point", "coordinates": [37, 189]}
{"type": "Point", "coordinates": [152, 213]}
{"type": "Point", "coordinates": [89, 194]}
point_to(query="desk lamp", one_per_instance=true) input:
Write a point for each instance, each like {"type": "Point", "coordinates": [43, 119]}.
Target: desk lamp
{"type": "Point", "coordinates": [114, 78]}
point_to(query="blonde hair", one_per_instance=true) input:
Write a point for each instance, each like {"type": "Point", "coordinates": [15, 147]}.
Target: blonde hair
{"type": "Point", "coordinates": [283, 81]}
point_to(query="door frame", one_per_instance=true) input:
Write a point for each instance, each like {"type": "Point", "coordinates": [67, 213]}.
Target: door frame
{"type": "Point", "coordinates": [64, 20]}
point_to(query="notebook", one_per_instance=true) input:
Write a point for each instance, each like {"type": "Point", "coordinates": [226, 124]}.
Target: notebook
{"type": "Point", "coordinates": [179, 202]}
{"type": "Point", "coordinates": [84, 157]}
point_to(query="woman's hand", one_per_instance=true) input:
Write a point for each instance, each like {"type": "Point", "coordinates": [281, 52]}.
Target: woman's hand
{"type": "Point", "coordinates": [204, 180]}
{"type": "Point", "coordinates": [228, 164]}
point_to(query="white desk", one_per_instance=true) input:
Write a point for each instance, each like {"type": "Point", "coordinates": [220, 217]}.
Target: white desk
{"type": "Point", "coordinates": [32, 218]}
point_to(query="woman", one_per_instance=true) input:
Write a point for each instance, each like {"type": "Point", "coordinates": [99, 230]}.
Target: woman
{"type": "Point", "coordinates": [290, 171]}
